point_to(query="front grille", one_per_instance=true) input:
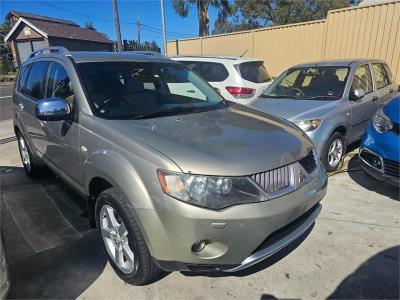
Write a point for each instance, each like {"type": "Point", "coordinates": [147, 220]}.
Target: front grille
{"type": "Point", "coordinates": [274, 180]}
{"type": "Point", "coordinates": [392, 168]}
{"type": "Point", "coordinates": [308, 162]}
{"type": "Point", "coordinates": [396, 128]}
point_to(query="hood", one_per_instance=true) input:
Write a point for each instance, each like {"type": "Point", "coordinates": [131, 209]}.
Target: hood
{"type": "Point", "coordinates": [294, 110]}
{"type": "Point", "coordinates": [233, 141]}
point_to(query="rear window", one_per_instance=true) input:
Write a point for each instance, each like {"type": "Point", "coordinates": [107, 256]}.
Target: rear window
{"type": "Point", "coordinates": [253, 71]}
{"type": "Point", "coordinates": [212, 72]}
{"type": "Point", "coordinates": [35, 82]}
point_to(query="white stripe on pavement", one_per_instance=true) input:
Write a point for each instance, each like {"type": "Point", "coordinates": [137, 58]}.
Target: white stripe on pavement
{"type": "Point", "coordinates": [5, 97]}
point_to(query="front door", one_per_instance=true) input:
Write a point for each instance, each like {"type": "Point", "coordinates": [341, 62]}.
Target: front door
{"type": "Point", "coordinates": [362, 109]}
{"type": "Point", "coordinates": [62, 137]}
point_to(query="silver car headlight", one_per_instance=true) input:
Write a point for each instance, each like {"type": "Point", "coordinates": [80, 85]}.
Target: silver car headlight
{"type": "Point", "coordinates": [381, 121]}
{"type": "Point", "coordinates": [212, 192]}
{"type": "Point", "coordinates": [308, 125]}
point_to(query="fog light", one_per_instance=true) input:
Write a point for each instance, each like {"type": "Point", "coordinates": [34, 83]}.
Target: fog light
{"type": "Point", "coordinates": [376, 163]}
{"type": "Point", "coordinates": [198, 246]}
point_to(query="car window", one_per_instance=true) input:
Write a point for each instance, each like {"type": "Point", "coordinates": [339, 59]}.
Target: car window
{"type": "Point", "coordinates": [58, 84]}
{"type": "Point", "coordinates": [212, 72]}
{"type": "Point", "coordinates": [123, 90]}
{"type": "Point", "coordinates": [23, 75]}
{"type": "Point", "coordinates": [389, 74]}
{"type": "Point", "coordinates": [253, 71]}
{"type": "Point", "coordinates": [380, 75]}
{"type": "Point", "coordinates": [362, 79]}
{"type": "Point", "coordinates": [320, 82]}
{"type": "Point", "coordinates": [35, 81]}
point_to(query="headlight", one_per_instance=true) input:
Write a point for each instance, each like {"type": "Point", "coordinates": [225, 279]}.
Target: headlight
{"type": "Point", "coordinates": [212, 192]}
{"type": "Point", "coordinates": [308, 125]}
{"type": "Point", "coordinates": [381, 121]}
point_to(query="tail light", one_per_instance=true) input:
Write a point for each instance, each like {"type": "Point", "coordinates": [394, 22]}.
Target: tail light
{"type": "Point", "coordinates": [240, 92]}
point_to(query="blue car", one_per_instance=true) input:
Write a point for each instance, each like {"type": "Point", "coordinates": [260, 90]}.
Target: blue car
{"type": "Point", "coordinates": [380, 147]}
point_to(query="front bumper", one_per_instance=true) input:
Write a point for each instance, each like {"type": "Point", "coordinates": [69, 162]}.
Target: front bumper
{"type": "Point", "coordinates": [376, 173]}
{"type": "Point", "coordinates": [232, 234]}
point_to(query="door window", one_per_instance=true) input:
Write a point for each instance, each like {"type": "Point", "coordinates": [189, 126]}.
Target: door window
{"type": "Point", "coordinates": [388, 73]}
{"type": "Point", "coordinates": [381, 78]}
{"type": "Point", "coordinates": [212, 72]}
{"type": "Point", "coordinates": [23, 75]}
{"type": "Point", "coordinates": [362, 79]}
{"type": "Point", "coordinates": [34, 84]}
{"type": "Point", "coordinates": [59, 85]}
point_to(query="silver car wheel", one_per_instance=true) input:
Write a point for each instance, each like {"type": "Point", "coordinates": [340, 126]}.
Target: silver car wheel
{"type": "Point", "coordinates": [335, 153]}
{"type": "Point", "coordinates": [115, 237]}
{"type": "Point", "coordinates": [23, 148]}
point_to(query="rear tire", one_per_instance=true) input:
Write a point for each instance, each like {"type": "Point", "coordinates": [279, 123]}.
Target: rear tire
{"type": "Point", "coordinates": [121, 234]}
{"type": "Point", "coordinates": [333, 152]}
{"type": "Point", "coordinates": [32, 169]}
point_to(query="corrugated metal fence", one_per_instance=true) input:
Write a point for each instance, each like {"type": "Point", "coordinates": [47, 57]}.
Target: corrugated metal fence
{"type": "Point", "coordinates": [357, 32]}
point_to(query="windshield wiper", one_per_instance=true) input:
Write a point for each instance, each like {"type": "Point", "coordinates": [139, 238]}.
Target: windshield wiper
{"type": "Point", "coordinates": [171, 111]}
{"type": "Point", "coordinates": [321, 97]}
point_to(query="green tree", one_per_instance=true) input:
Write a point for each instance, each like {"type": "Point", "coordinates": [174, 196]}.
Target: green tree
{"type": "Point", "coordinates": [6, 58]}
{"type": "Point", "coordinates": [250, 14]}
{"type": "Point", "coordinates": [89, 25]}
{"type": "Point", "coordinates": [182, 8]}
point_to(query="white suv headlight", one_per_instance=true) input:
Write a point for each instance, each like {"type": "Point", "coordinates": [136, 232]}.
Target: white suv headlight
{"type": "Point", "coordinates": [381, 121]}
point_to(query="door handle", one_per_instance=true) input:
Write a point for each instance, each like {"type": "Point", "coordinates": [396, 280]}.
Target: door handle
{"type": "Point", "coordinates": [375, 98]}
{"type": "Point", "coordinates": [21, 106]}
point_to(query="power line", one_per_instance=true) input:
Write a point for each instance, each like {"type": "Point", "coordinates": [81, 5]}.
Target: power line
{"type": "Point", "coordinates": [170, 33]}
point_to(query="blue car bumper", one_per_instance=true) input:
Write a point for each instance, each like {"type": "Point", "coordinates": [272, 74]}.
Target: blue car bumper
{"type": "Point", "coordinates": [380, 155]}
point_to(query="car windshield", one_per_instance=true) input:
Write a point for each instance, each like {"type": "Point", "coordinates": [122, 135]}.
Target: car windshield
{"type": "Point", "coordinates": [309, 83]}
{"type": "Point", "coordinates": [135, 90]}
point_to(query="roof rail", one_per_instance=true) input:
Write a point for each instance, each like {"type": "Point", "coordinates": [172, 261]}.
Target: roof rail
{"type": "Point", "coordinates": [146, 53]}
{"type": "Point", "coordinates": [56, 49]}
{"type": "Point", "coordinates": [233, 57]}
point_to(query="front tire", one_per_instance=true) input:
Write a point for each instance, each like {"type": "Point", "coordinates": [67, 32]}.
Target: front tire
{"type": "Point", "coordinates": [122, 239]}
{"type": "Point", "coordinates": [32, 169]}
{"type": "Point", "coordinates": [333, 152]}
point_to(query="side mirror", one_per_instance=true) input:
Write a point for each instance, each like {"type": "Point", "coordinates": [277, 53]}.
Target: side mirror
{"type": "Point", "coordinates": [52, 109]}
{"type": "Point", "coordinates": [358, 94]}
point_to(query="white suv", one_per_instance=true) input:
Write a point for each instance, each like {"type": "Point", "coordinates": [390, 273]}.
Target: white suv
{"type": "Point", "coordinates": [237, 78]}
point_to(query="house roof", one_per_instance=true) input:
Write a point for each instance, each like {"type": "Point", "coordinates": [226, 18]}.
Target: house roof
{"type": "Point", "coordinates": [58, 28]}
{"type": "Point", "coordinates": [19, 14]}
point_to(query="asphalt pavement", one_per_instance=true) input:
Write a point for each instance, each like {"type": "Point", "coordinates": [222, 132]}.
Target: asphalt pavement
{"type": "Point", "coordinates": [352, 251]}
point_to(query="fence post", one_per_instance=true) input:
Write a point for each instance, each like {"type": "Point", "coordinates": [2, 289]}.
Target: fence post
{"type": "Point", "coordinates": [177, 46]}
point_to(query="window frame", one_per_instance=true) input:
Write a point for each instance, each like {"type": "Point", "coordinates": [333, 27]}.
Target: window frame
{"type": "Point", "coordinates": [44, 80]}
{"type": "Point", "coordinates": [384, 72]}
{"type": "Point", "coordinates": [19, 86]}
{"type": "Point", "coordinates": [51, 62]}
{"type": "Point", "coordinates": [370, 72]}
{"type": "Point", "coordinates": [201, 64]}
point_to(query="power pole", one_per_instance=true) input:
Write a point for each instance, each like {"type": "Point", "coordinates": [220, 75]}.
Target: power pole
{"type": "Point", "coordinates": [117, 27]}
{"type": "Point", "coordinates": [163, 28]}
{"type": "Point", "coordinates": [138, 30]}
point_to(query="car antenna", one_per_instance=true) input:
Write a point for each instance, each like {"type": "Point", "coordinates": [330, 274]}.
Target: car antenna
{"type": "Point", "coordinates": [244, 53]}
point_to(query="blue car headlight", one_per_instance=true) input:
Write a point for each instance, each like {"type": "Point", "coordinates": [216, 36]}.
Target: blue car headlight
{"type": "Point", "coordinates": [381, 121]}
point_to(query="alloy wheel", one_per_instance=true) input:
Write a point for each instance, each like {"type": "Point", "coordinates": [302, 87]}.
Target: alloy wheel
{"type": "Point", "coordinates": [23, 148]}
{"type": "Point", "coordinates": [115, 237]}
{"type": "Point", "coordinates": [335, 153]}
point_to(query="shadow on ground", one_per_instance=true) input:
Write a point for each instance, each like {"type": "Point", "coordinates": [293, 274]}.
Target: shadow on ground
{"type": "Point", "coordinates": [377, 278]}
{"type": "Point", "coordinates": [370, 183]}
{"type": "Point", "coordinates": [50, 248]}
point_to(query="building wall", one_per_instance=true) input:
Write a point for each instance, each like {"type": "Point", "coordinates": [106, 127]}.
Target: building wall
{"type": "Point", "coordinates": [357, 32]}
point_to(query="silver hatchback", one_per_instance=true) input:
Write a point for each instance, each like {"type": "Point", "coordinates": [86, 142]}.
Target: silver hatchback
{"type": "Point", "coordinates": [173, 181]}
{"type": "Point", "coordinates": [332, 101]}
